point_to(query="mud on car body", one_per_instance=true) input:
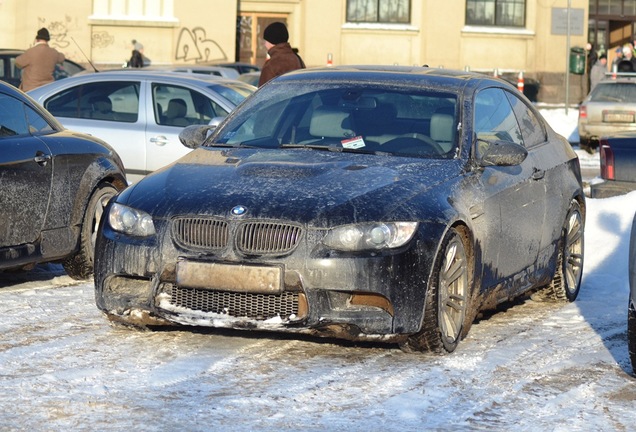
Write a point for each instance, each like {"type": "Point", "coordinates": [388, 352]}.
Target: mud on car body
{"type": "Point", "coordinates": [54, 184]}
{"type": "Point", "coordinates": [388, 204]}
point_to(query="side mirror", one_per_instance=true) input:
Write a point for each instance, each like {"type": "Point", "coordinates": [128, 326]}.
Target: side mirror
{"type": "Point", "coordinates": [194, 135]}
{"type": "Point", "coordinates": [499, 153]}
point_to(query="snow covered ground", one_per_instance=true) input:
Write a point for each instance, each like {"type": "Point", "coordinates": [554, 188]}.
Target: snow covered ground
{"type": "Point", "coordinates": [530, 367]}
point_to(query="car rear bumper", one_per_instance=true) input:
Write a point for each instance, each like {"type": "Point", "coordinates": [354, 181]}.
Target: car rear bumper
{"type": "Point", "coordinates": [588, 131]}
{"type": "Point", "coordinates": [610, 188]}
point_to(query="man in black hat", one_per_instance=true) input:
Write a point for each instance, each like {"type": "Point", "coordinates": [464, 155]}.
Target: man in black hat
{"type": "Point", "coordinates": [282, 57]}
{"type": "Point", "coordinates": [38, 62]}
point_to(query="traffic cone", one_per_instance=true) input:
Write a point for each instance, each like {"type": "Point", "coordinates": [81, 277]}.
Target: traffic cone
{"type": "Point", "coordinates": [329, 60]}
{"type": "Point", "coordinates": [520, 83]}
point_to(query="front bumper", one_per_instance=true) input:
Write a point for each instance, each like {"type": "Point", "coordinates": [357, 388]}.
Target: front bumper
{"type": "Point", "coordinates": [377, 296]}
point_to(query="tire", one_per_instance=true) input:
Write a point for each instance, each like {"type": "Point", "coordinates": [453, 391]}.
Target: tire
{"type": "Point", "coordinates": [80, 265]}
{"type": "Point", "coordinates": [446, 312]}
{"type": "Point", "coordinates": [566, 283]}
{"type": "Point", "coordinates": [631, 336]}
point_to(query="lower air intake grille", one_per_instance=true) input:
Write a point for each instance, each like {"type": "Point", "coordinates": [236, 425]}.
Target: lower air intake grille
{"type": "Point", "coordinates": [240, 305]}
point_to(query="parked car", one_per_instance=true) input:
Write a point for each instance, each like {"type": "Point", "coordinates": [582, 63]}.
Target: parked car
{"type": "Point", "coordinates": [10, 73]}
{"type": "Point", "coordinates": [241, 67]}
{"type": "Point", "coordinates": [250, 78]}
{"type": "Point", "coordinates": [364, 203]}
{"type": "Point", "coordinates": [54, 184]}
{"type": "Point", "coordinates": [609, 109]}
{"type": "Point", "coordinates": [212, 71]}
{"type": "Point", "coordinates": [618, 165]}
{"type": "Point", "coordinates": [140, 113]}
{"type": "Point", "coordinates": [631, 305]}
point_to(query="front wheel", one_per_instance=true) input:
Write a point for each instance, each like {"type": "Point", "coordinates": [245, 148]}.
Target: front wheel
{"type": "Point", "coordinates": [446, 313]}
{"type": "Point", "coordinates": [80, 265]}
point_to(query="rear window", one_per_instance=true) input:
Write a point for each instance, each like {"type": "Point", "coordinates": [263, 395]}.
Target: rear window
{"type": "Point", "coordinates": [614, 92]}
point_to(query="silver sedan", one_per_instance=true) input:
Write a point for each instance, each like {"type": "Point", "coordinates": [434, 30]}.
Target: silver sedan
{"type": "Point", "coordinates": [140, 114]}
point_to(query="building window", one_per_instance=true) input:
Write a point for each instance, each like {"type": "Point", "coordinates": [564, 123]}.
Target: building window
{"type": "Point", "coordinates": [379, 11]}
{"type": "Point", "coordinates": [145, 10]}
{"type": "Point", "coordinates": [499, 13]}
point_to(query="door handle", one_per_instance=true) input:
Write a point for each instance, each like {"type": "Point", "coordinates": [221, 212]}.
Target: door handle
{"type": "Point", "coordinates": [538, 174]}
{"type": "Point", "coordinates": [41, 158]}
{"type": "Point", "coordinates": [159, 140]}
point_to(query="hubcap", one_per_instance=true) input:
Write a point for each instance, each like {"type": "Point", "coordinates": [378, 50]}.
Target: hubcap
{"type": "Point", "coordinates": [573, 259]}
{"type": "Point", "coordinates": [453, 286]}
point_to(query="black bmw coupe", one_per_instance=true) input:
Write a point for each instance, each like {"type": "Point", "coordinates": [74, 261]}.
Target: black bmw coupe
{"type": "Point", "coordinates": [364, 203]}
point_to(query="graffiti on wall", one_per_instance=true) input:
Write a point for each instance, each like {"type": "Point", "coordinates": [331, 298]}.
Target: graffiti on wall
{"type": "Point", "coordinates": [193, 45]}
{"type": "Point", "coordinates": [58, 31]}
{"type": "Point", "coordinates": [102, 39]}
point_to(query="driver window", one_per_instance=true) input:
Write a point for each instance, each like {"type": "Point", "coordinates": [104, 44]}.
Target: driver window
{"type": "Point", "coordinates": [494, 118]}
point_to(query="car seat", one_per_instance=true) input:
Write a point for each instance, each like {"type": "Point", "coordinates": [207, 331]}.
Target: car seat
{"type": "Point", "coordinates": [176, 113]}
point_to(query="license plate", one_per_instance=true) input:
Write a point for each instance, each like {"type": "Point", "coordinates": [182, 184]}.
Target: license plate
{"type": "Point", "coordinates": [229, 277]}
{"type": "Point", "coordinates": [618, 117]}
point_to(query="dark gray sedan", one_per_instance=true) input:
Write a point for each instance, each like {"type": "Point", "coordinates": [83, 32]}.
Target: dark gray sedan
{"type": "Point", "coordinates": [366, 203]}
{"type": "Point", "coordinates": [54, 185]}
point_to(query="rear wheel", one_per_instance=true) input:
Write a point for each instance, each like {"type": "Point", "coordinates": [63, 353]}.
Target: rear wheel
{"type": "Point", "coordinates": [567, 279]}
{"type": "Point", "coordinates": [80, 265]}
{"type": "Point", "coordinates": [446, 314]}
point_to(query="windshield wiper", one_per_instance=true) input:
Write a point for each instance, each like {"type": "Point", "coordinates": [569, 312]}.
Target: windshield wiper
{"type": "Point", "coordinates": [239, 145]}
{"type": "Point", "coordinates": [336, 149]}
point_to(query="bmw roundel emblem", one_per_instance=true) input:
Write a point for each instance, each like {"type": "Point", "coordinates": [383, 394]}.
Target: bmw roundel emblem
{"type": "Point", "coordinates": [239, 210]}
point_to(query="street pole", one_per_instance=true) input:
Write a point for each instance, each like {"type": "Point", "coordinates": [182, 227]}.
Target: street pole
{"type": "Point", "coordinates": [567, 62]}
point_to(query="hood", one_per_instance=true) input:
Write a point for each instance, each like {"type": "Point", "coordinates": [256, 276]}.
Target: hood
{"type": "Point", "coordinates": [307, 186]}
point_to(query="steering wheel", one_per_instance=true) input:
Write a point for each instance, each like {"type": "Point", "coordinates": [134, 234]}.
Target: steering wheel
{"type": "Point", "coordinates": [414, 144]}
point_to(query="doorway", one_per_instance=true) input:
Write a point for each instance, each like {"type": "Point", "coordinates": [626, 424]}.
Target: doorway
{"type": "Point", "coordinates": [251, 48]}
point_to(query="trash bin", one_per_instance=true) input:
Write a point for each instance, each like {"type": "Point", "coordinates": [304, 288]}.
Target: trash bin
{"type": "Point", "coordinates": [577, 61]}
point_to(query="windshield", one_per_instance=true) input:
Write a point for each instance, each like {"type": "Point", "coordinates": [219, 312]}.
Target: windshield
{"type": "Point", "coordinates": [234, 92]}
{"type": "Point", "coordinates": [379, 119]}
{"type": "Point", "coordinates": [614, 92]}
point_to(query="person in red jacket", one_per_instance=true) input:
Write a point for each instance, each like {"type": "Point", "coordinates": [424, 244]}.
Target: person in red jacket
{"type": "Point", "coordinates": [282, 58]}
{"type": "Point", "coordinates": [38, 62]}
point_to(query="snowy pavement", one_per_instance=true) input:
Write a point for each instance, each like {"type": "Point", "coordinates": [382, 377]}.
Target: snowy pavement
{"type": "Point", "coordinates": [530, 367]}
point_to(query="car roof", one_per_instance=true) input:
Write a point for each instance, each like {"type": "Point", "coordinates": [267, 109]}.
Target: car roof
{"type": "Point", "coordinates": [396, 75]}
{"type": "Point", "coordinates": [612, 77]}
{"type": "Point", "coordinates": [136, 74]}
{"type": "Point", "coordinates": [11, 51]}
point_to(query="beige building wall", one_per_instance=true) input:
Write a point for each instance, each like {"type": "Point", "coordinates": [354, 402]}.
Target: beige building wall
{"type": "Point", "coordinates": [184, 31]}
{"type": "Point", "coordinates": [190, 31]}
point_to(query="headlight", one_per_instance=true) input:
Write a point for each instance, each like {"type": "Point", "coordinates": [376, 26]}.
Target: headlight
{"type": "Point", "coordinates": [130, 221]}
{"type": "Point", "coordinates": [370, 236]}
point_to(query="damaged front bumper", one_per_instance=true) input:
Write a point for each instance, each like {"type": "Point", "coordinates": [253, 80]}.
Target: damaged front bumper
{"type": "Point", "coordinates": [375, 297]}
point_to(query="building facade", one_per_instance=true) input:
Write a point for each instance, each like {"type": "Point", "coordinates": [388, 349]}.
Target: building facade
{"type": "Point", "coordinates": [480, 35]}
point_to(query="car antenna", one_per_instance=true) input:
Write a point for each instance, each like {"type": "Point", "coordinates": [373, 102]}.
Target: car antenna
{"type": "Point", "coordinates": [87, 59]}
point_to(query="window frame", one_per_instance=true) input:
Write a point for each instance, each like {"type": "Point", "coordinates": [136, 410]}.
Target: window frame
{"type": "Point", "coordinates": [497, 12]}
{"type": "Point", "coordinates": [354, 6]}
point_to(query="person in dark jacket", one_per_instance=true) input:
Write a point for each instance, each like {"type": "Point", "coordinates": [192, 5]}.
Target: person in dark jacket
{"type": "Point", "coordinates": [282, 58]}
